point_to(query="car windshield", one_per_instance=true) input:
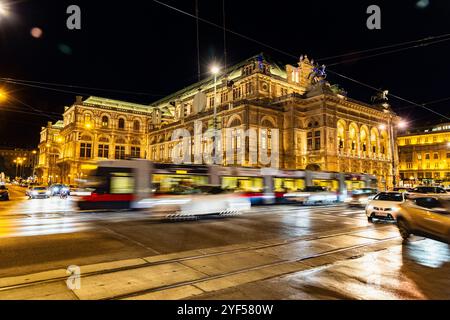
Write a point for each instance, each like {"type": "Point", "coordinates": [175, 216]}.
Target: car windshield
{"type": "Point", "coordinates": [396, 197]}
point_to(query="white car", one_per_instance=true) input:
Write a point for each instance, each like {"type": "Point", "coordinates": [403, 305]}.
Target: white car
{"type": "Point", "coordinates": [312, 195]}
{"type": "Point", "coordinates": [385, 206]}
{"type": "Point", "coordinates": [205, 200]}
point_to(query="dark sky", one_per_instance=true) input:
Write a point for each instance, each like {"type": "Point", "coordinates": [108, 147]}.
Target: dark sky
{"type": "Point", "coordinates": [150, 50]}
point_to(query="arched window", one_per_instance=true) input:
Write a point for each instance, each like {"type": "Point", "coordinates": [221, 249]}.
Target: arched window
{"type": "Point", "coordinates": [136, 125]}
{"type": "Point", "coordinates": [105, 122]}
{"type": "Point", "coordinates": [235, 123]}
{"type": "Point", "coordinates": [121, 123]}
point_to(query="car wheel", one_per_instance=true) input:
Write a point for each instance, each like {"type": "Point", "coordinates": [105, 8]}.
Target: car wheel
{"type": "Point", "coordinates": [370, 219]}
{"type": "Point", "coordinates": [403, 228]}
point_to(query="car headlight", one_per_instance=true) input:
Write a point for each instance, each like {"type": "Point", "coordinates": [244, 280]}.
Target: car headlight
{"type": "Point", "coordinates": [34, 193]}
{"type": "Point", "coordinates": [369, 207]}
{"type": "Point", "coordinates": [364, 200]}
{"type": "Point", "coordinates": [395, 209]}
{"type": "Point", "coordinates": [48, 193]}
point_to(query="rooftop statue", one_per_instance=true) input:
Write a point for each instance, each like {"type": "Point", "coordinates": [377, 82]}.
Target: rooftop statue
{"type": "Point", "coordinates": [381, 96]}
{"type": "Point", "coordinates": [318, 75]}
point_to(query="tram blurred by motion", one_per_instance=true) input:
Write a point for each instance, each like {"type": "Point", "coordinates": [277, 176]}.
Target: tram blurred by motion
{"type": "Point", "coordinates": [208, 189]}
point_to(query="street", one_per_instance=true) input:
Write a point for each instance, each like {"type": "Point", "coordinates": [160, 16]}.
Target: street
{"type": "Point", "coordinates": [271, 252]}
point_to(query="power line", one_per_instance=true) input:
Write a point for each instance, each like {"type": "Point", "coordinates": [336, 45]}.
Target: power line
{"type": "Point", "coordinates": [390, 94]}
{"type": "Point", "coordinates": [386, 47]}
{"type": "Point", "coordinates": [389, 52]}
{"type": "Point", "coordinates": [293, 56]}
{"type": "Point", "coordinates": [80, 87]}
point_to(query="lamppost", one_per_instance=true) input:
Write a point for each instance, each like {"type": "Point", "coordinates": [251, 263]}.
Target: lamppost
{"type": "Point", "coordinates": [34, 153]}
{"type": "Point", "coordinates": [215, 71]}
{"type": "Point", "coordinates": [390, 127]}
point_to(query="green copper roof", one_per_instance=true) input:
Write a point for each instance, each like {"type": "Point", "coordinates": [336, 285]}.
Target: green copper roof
{"type": "Point", "coordinates": [117, 104]}
{"type": "Point", "coordinates": [232, 72]}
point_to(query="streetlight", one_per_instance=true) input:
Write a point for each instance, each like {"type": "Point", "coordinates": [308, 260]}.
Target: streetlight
{"type": "Point", "coordinates": [390, 126]}
{"type": "Point", "coordinates": [3, 95]}
{"type": "Point", "coordinates": [215, 71]}
{"type": "Point", "coordinates": [34, 152]}
{"type": "Point", "coordinates": [3, 9]}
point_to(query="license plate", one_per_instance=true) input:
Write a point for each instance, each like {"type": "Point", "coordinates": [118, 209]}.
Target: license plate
{"type": "Point", "coordinates": [381, 214]}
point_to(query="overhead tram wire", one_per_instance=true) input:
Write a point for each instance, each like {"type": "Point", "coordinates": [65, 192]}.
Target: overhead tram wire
{"type": "Point", "coordinates": [294, 56]}
{"type": "Point", "coordinates": [390, 94]}
{"type": "Point", "coordinates": [80, 87]}
{"type": "Point", "coordinates": [386, 47]}
{"type": "Point", "coordinates": [387, 52]}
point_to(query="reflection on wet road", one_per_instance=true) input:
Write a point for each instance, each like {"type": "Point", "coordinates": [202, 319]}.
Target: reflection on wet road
{"type": "Point", "coordinates": [272, 252]}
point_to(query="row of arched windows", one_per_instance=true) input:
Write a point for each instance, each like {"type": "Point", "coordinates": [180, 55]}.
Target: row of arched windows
{"type": "Point", "coordinates": [360, 140]}
{"type": "Point", "coordinates": [121, 124]}
{"type": "Point", "coordinates": [105, 122]}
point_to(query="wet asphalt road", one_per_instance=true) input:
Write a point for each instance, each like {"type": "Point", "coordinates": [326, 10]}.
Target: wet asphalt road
{"type": "Point", "coordinates": [337, 253]}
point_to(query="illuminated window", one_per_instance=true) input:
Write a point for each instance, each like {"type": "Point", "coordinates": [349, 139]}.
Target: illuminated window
{"type": "Point", "coordinates": [224, 97]}
{"type": "Point", "coordinates": [85, 150]}
{"type": "Point", "coordinates": [120, 152]}
{"type": "Point", "coordinates": [248, 88]}
{"type": "Point", "coordinates": [122, 183]}
{"type": "Point", "coordinates": [105, 122]}
{"type": "Point", "coordinates": [237, 93]}
{"type": "Point", "coordinates": [419, 157]}
{"type": "Point", "coordinates": [103, 151]}
{"type": "Point", "coordinates": [310, 141]}
{"type": "Point", "coordinates": [121, 123]}
{"type": "Point", "coordinates": [135, 152]}
{"type": "Point", "coordinates": [211, 102]}
{"type": "Point", "coordinates": [136, 125]}
{"type": "Point", "coordinates": [317, 144]}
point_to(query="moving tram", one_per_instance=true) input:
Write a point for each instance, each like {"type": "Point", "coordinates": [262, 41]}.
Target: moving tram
{"type": "Point", "coordinates": [127, 184]}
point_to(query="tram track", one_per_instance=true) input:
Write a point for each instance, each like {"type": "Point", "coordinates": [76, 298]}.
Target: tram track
{"type": "Point", "coordinates": [172, 258]}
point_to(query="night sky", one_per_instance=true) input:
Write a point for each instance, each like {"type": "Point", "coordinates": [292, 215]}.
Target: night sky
{"type": "Point", "coordinates": [140, 51]}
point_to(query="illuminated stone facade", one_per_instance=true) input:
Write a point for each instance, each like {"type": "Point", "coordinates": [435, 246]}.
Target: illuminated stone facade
{"type": "Point", "coordinates": [319, 127]}
{"type": "Point", "coordinates": [93, 129]}
{"type": "Point", "coordinates": [425, 156]}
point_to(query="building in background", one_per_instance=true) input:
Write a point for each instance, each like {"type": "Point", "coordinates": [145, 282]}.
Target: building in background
{"type": "Point", "coordinates": [319, 127]}
{"type": "Point", "coordinates": [92, 129]}
{"type": "Point", "coordinates": [425, 156]}
{"type": "Point", "coordinates": [47, 170]}
{"type": "Point", "coordinates": [17, 163]}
